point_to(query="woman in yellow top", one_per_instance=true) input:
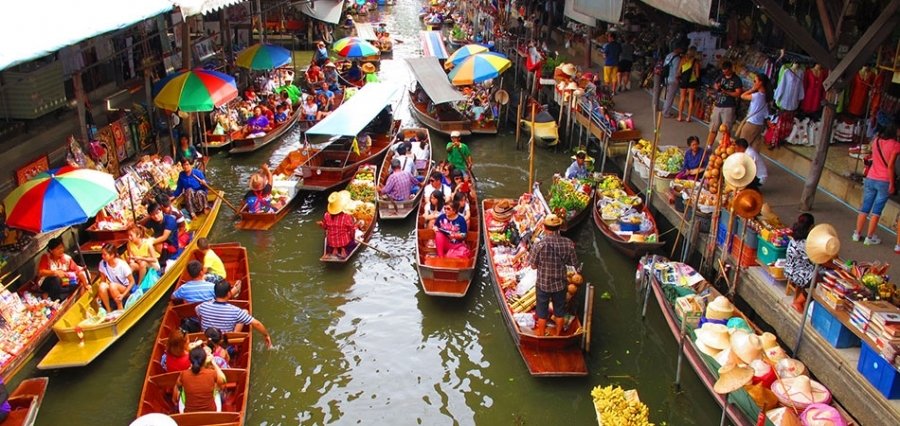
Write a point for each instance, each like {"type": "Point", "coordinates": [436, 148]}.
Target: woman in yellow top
{"type": "Point", "coordinates": [688, 81]}
{"type": "Point", "coordinates": [140, 252]}
{"type": "Point", "coordinates": [213, 267]}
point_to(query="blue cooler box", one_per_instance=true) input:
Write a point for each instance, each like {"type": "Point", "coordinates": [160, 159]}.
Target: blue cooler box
{"type": "Point", "coordinates": [879, 372]}
{"type": "Point", "coordinates": [831, 329]}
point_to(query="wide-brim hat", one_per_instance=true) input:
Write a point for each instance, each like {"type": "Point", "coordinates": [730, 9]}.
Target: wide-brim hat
{"type": "Point", "coordinates": [568, 69]}
{"type": "Point", "coordinates": [714, 336]}
{"type": "Point", "coordinates": [738, 323]}
{"type": "Point", "coordinates": [775, 354]}
{"type": "Point", "coordinates": [746, 346]}
{"type": "Point", "coordinates": [732, 378]}
{"type": "Point", "coordinates": [769, 340]}
{"type": "Point", "coordinates": [503, 210]}
{"type": "Point", "coordinates": [738, 170]}
{"type": "Point", "coordinates": [788, 368]}
{"type": "Point", "coordinates": [720, 308]}
{"type": "Point", "coordinates": [257, 182]}
{"type": "Point", "coordinates": [368, 67]}
{"type": "Point", "coordinates": [822, 243]}
{"type": "Point", "coordinates": [455, 134]}
{"type": "Point", "coordinates": [822, 415]}
{"type": "Point", "coordinates": [553, 221]}
{"type": "Point", "coordinates": [800, 392]}
{"type": "Point", "coordinates": [763, 372]}
{"type": "Point", "coordinates": [337, 201]}
{"type": "Point", "coordinates": [727, 357]}
{"type": "Point", "coordinates": [783, 416]}
{"type": "Point", "coordinates": [747, 203]}
{"type": "Point", "coordinates": [702, 347]}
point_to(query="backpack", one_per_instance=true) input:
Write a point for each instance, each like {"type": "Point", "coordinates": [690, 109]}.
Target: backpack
{"type": "Point", "coordinates": [667, 67]}
{"type": "Point", "coordinates": [190, 325]}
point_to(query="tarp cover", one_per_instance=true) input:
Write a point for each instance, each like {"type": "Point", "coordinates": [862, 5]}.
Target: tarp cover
{"type": "Point", "coordinates": [606, 11]}
{"type": "Point", "coordinates": [431, 76]}
{"type": "Point", "coordinates": [576, 16]}
{"type": "Point", "coordinates": [352, 116]}
{"type": "Point", "coordinates": [324, 10]}
{"type": "Point", "coordinates": [365, 31]}
{"type": "Point", "coordinates": [64, 23]}
{"type": "Point", "coordinates": [696, 11]}
{"type": "Point", "coordinates": [433, 44]}
{"type": "Point", "coordinates": [202, 7]}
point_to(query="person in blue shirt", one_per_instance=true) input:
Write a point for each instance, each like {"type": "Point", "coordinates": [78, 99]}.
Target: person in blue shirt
{"type": "Point", "coordinates": [198, 290]}
{"type": "Point", "coordinates": [165, 233]}
{"type": "Point", "coordinates": [321, 55]}
{"type": "Point", "coordinates": [192, 183]}
{"type": "Point", "coordinates": [695, 160]}
{"type": "Point", "coordinates": [578, 169]}
{"type": "Point", "coordinates": [611, 51]}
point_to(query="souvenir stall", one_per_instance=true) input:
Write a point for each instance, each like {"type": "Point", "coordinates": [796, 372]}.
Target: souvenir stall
{"type": "Point", "coordinates": [668, 162]}
{"type": "Point", "coordinates": [22, 318]}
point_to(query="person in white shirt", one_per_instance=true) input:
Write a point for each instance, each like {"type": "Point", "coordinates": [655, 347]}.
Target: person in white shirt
{"type": "Point", "coordinates": [421, 152]}
{"type": "Point", "coordinates": [762, 173]}
{"type": "Point", "coordinates": [435, 184]}
{"type": "Point", "coordinates": [407, 162]}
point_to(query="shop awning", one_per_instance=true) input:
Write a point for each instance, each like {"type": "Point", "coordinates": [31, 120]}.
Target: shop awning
{"type": "Point", "coordinates": [571, 13]}
{"type": "Point", "coordinates": [64, 23]}
{"type": "Point", "coordinates": [606, 11]}
{"type": "Point", "coordinates": [365, 31]}
{"type": "Point", "coordinates": [431, 76]}
{"type": "Point", "coordinates": [324, 10]}
{"type": "Point", "coordinates": [352, 116]}
{"type": "Point", "coordinates": [433, 44]}
{"type": "Point", "coordinates": [202, 7]}
{"type": "Point", "coordinates": [696, 11]}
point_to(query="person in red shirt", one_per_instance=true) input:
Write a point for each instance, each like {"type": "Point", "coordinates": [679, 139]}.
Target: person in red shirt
{"type": "Point", "coordinates": [176, 356]}
{"type": "Point", "coordinates": [58, 274]}
{"type": "Point", "coordinates": [340, 227]}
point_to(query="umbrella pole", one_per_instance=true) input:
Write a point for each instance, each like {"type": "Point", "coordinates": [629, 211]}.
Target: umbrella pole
{"type": "Point", "coordinates": [87, 271]}
{"type": "Point", "coordinates": [519, 117]}
{"type": "Point", "coordinates": [531, 149]}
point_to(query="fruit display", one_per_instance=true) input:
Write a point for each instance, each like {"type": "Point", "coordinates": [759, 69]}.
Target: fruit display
{"type": "Point", "coordinates": [609, 182]}
{"type": "Point", "coordinates": [614, 201]}
{"type": "Point", "coordinates": [564, 194]}
{"type": "Point", "coordinates": [643, 148]}
{"type": "Point", "coordinates": [618, 407]}
{"type": "Point", "coordinates": [364, 211]}
{"type": "Point", "coordinates": [669, 161]}
{"type": "Point", "coordinates": [714, 165]}
{"type": "Point", "coordinates": [362, 187]}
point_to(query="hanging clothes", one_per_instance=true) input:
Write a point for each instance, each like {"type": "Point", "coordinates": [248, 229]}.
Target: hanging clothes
{"type": "Point", "coordinates": [859, 91]}
{"type": "Point", "coordinates": [790, 89]}
{"type": "Point", "coordinates": [813, 89]}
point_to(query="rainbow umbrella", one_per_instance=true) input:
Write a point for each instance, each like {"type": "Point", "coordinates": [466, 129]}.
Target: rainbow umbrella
{"type": "Point", "coordinates": [342, 43]}
{"type": "Point", "coordinates": [464, 52]}
{"type": "Point", "coordinates": [478, 68]}
{"type": "Point", "coordinates": [358, 49]}
{"type": "Point", "coordinates": [58, 198]}
{"type": "Point", "coordinates": [263, 57]}
{"type": "Point", "coordinates": [195, 90]}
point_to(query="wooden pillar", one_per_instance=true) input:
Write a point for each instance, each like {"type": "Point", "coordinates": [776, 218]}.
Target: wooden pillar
{"type": "Point", "coordinates": [227, 46]}
{"type": "Point", "coordinates": [588, 50]}
{"type": "Point", "coordinates": [262, 23]}
{"type": "Point", "coordinates": [81, 104]}
{"type": "Point", "coordinates": [818, 163]}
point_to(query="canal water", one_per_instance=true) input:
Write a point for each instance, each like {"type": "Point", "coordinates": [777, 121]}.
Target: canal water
{"type": "Point", "coordinates": [362, 344]}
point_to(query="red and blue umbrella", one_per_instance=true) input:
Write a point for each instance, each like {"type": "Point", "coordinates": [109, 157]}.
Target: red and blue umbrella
{"type": "Point", "coordinates": [263, 57]}
{"type": "Point", "coordinates": [58, 198]}
{"type": "Point", "coordinates": [195, 90]}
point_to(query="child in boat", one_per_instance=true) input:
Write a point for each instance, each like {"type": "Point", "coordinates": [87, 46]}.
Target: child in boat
{"type": "Point", "coordinates": [217, 343]}
{"type": "Point", "coordinates": [140, 252]}
{"type": "Point", "coordinates": [175, 358]}
{"type": "Point", "coordinates": [258, 197]}
{"type": "Point", "coordinates": [280, 116]}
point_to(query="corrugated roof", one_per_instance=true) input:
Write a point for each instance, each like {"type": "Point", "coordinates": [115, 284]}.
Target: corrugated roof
{"type": "Point", "coordinates": [431, 76]}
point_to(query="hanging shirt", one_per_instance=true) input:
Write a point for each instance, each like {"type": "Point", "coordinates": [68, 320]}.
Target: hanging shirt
{"type": "Point", "coordinates": [859, 92]}
{"type": "Point", "coordinates": [790, 90]}
{"type": "Point", "coordinates": [813, 90]}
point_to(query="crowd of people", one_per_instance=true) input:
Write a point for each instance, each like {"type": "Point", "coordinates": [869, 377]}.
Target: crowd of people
{"type": "Point", "coordinates": [257, 112]}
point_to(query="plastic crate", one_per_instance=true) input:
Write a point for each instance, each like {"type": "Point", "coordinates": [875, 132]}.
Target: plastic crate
{"type": "Point", "coordinates": [880, 373]}
{"type": "Point", "coordinates": [768, 253]}
{"type": "Point", "coordinates": [736, 227]}
{"type": "Point", "coordinates": [721, 233]}
{"type": "Point", "coordinates": [745, 255]}
{"type": "Point", "coordinates": [751, 238]}
{"type": "Point", "coordinates": [831, 329]}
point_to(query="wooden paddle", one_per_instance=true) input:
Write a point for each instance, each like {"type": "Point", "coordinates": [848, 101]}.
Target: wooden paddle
{"type": "Point", "coordinates": [374, 248]}
{"type": "Point", "coordinates": [217, 193]}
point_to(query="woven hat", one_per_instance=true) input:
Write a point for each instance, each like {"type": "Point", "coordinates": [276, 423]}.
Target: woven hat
{"type": "Point", "coordinates": [775, 354]}
{"type": "Point", "coordinates": [720, 309]}
{"type": "Point", "coordinates": [746, 346]}
{"type": "Point", "coordinates": [738, 170]}
{"type": "Point", "coordinates": [747, 203]}
{"type": "Point", "coordinates": [257, 182]}
{"type": "Point", "coordinates": [783, 416]}
{"type": "Point", "coordinates": [738, 323]}
{"type": "Point", "coordinates": [732, 378]}
{"type": "Point", "coordinates": [552, 221]}
{"type": "Point", "coordinates": [822, 415]}
{"type": "Point", "coordinates": [800, 391]}
{"type": "Point", "coordinates": [788, 368]}
{"type": "Point", "coordinates": [337, 201]}
{"type": "Point", "coordinates": [822, 243]}
{"type": "Point", "coordinates": [568, 69]}
{"type": "Point", "coordinates": [714, 335]}
{"type": "Point", "coordinates": [706, 349]}
{"type": "Point", "coordinates": [727, 357]}
{"type": "Point", "coordinates": [368, 68]}
{"type": "Point", "coordinates": [769, 340]}
{"type": "Point", "coordinates": [503, 210]}
{"type": "Point", "coordinates": [762, 372]}
{"type": "Point", "coordinates": [455, 134]}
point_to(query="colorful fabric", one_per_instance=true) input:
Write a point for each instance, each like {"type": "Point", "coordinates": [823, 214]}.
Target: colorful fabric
{"type": "Point", "coordinates": [798, 268]}
{"type": "Point", "coordinates": [550, 257]}
{"type": "Point", "coordinates": [340, 230]}
{"type": "Point", "coordinates": [399, 185]}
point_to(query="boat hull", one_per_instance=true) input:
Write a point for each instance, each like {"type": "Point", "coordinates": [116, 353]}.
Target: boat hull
{"type": "Point", "coordinates": [632, 249]}
{"type": "Point", "coordinates": [263, 221]}
{"type": "Point", "coordinates": [25, 402]}
{"type": "Point", "coordinates": [396, 210]}
{"type": "Point", "coordinates": [247, 145]}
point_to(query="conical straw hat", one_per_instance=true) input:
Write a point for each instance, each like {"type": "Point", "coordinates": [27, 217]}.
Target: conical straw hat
{"type": "Point", "coordinates": [568, 69]}
{"type": "Point", "coordinates": [789, 368]}
{"type": "Point", "coordinates": [738, 170]}
{"type": "Point", "coordinates": [720, 308]}
{"type": "Point", "coordinates": [769, 340]}
{"type": "Point", "coordinates": [732, 378]}
{"type": "Point", "coordinates": [822, 415]}
{"type": "Point", "coordinates": [714, 335]}
{"type": "Point", "coordinates": [706, 349]}
{"type": "Point", "coordinates": [727, 357]}
{"type": "Point", "coordinates": [746, 346]}
{"type": "Point", "coordinates": [801, 391]}
{"type": "Point", "coordinates": [747, 203]}
{"type": "Point", "coordinates": [783, 416]}
{"type": "Point", "coordinates": [822, 243]}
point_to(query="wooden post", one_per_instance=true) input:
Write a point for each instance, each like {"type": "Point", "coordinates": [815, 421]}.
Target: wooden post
{"type": "Point", "coordinates": [519, 117]}
{"type": "Point", "coordinates": [818, 163]}
{"type": "Point", "coordinates": [531, 149]}
{"type": "Point", "coordinates": [653, 149]}
{"type": "Point", "coordinates": [81, 105]}
{"type": "Point", "coordinates": [227, 45]}
{"type": "Point", "coordinates": [262, 24]}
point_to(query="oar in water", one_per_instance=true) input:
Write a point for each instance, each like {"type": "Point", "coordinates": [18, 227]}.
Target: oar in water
{"type": "Point", "coordinates": [217, 193]}
{"type": "Point", "coordinates": [374, 248]}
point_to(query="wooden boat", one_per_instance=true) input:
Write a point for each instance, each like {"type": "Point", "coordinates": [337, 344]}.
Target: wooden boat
{"type": "Point", "coordinates": [369, 225]}
{"type": "Point", "coordinates": [262, 221]}
{"type": "Point", "coordinates": [242, 144]}
{"type": "Point", "coordinates": [25, 401]}
{"type": "Point", "coordinates": [445, 276]}
{"type": "Point", "coordinates": [82, 338]}
{"type": "Point", "coordinates": [549, 356]}
{"type": "Point", "coordinates": [389, 209]}
{"type": "Point", "coordinates": [572, 219]}
{"type": "Point", "coordinates": [433, 100]}
{"type": "Point", "coordinates": [632, 249]}
{"type": "Point", "coordinates": [156, 395]}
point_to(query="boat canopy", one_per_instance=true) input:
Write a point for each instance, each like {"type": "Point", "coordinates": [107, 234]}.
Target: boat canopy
{"type": "Point", "coordinates": [324, 10]}
{"type": "Point", "coordinates": [431, 76]}
{"type": "Point", "coordinates": [433, 44]}
{"type": "Point", "coordinates": [353, 115]}
{"type": "Point", "coordinates": [365, 31]}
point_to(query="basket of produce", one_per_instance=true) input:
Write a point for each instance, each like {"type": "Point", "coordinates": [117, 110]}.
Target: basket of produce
{"type": "Point", "coordinates": [615, 406]}
{"type": "Point", "coordinates": [569, 195]}
{"type": "Point", "coordinates": [362, 187]}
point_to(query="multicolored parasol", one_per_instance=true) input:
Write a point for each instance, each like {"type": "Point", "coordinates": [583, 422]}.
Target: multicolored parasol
{"type": "Point", "coordinates": [342, 43]}
{"type": "Point", "coordinates": [464, 52]}
{"type": "Point", "coordinates": [58, 198]}
{"type": "Point", "coordinates": [263, 57]}
{"type": "Point", "coordinates": [478, 68]}
{"type": "Point", "coordinates": [357, 49]}
{"type": "Point", "coordinates": [195, 90]}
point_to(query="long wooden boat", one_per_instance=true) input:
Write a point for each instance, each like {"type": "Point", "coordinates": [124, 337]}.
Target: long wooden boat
{"type": "Point", "coordinates": [367, 228]}
{"type": "Point", "coordinates": [389, 209]}
{"type": "Point", "coordinates": [441, 276]}
{"type": "Point", "coordinates": [548, 356]}
{"type": "Point", "coordinates": [242, 143]}
{"type": "Point", "coordinates": [632, 249]}
{"type": "Point", "coordinates": [572, 219]}
{"type": "Point", "coordinates": [25, 401]}
{"type": "Point", "coordinates": [83, 336]}
{"type": "Point", "coordinates": [433, 44]}
{"type": "Point", "coordinates": [261, 221]}
{"type": "Point", "coordinates": [433, 100]}
{"type": "Point", "coordinates": [156, 395]}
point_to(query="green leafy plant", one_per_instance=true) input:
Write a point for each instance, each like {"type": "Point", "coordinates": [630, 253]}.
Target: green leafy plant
{"type": "Point", "coordinates": [550, 63]}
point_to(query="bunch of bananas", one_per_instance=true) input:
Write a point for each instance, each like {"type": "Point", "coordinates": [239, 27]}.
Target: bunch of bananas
{"type": "Point", "coordinates": [616, 408]}
{"type": "Point", "coordinates": [643, 147]}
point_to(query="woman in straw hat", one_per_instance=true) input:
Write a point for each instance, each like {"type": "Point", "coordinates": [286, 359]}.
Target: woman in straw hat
{"type": "Point", "coordinates": [340, 228]}
{"type": "Point", "coordinates": [549, 257]}
{"type": "Point", "coordinates": [258, 197]}
{"type": "Point", "coordinates": [798, 268]}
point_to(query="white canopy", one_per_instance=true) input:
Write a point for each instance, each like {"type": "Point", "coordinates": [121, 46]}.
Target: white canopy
{"type": "Point", "coordinates": [696, 11]}
{"type": "Point", "coordinates": [202, 7]}
{"type": "Point", "coordinates": [324, 10]}
{"type": "Point", "coordinates": [606, 11]}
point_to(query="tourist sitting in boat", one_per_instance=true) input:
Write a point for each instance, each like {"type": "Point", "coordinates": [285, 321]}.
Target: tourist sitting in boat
{"type": "Point", "coordinates": [216, 341]}
{"type": "Point", "coordinates": [310, 109]}
{"type": "Point", "coordinates": [286, 100]}
{"type": "Point", "coordinates": [58, 274]}
{"type": "Point", "coordinates": [340, 228]}
{"type": "Point", "coordinates": [461, 184]}
{"type": "Point", "coordinates": [257, 125]}
{"type": "Point", "coordinates": [400, 184]}
{"type": "Point", "coordinates": [436, 183]}
{"type": "Point", "coordinates": [321, 55]}
{"type": "Point", "coordinates": [578, 170]}
{"type": "Point", "coordinates": [176, 358]}
{"type": "Point", "coordinates": [549, 257]}
{"type": "Point", "coordinates": [450, 230]}
{"type": "Point", "coordinates": [325, 105]}
{"type": "Point", "coordinates": [461, 200]}
{"type": "Point", "coordinates": [280, 116]}
{"type": "Point", "coordinates": [226, 317]}
{"type": "Point", "coordinates": [196, 289]}
{"type": "Point", "coordinates": [477, 111]}
{"type": "Point", "coordinates": [325, 90]}
{"type": "Point", "coordinates": [250, 95]}
{"type": "Point", "coordinates": [444, 169]}
{"type": "Point", "coordinates": [213, 267]}
{"type": "Point", "coordinates": [186, 150]}
{"type": "Point", "coordinates": [258, 198]}
{"type": "Point", "coordinates": [140, 253]}
{"type": "Point", "coordinates": [695, 160]}
{"type": "Point", "coordinates": [384, 42]}
{"type": "Point", "coordinates": [380, 29]}
{"type": "Point", "coordinates": [196, 389]}
{"type": "Point", "coordinates": [116, 281]}
{"type": "Point", "coordinates": [165, 233]}
{"type": "Point", "coordinates": [192, 183]}
{"type": "Point", "coordinates": [407, 162]}
{"type": "Point", "coordinates": [421, 151]}
{"type": "Point", "coordinates": [313, 75]}
{"type": "Point", "coordinates": [354, 73]}
{"type": "Point", "coordinates": [433, 208]}
{"type": "Point", "coordinates": [332, 77]}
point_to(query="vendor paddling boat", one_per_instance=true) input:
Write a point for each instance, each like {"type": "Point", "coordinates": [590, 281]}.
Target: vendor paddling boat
{"type": "Point", "coordinates": [624, 219]}
{"type": "Point", "coordinates": [361, 205]}
{"type": "Point", "coordinates": [265, 212]}
{"type": "Point", "coordinates": [243, 143]}
{"type": "Point", "coordinates": [25, 401]}
{"type": "Point", "coordinates": [156, 395]}
{"type": "Point", "coordinates": [446, 276]}
{"type": "Point", "coordinates": [549, 356]}
{"type": "Point", "coordinates": [570, 199]}
{"type": "Point", "coordinates": [84, 333]}
{"type": "Point", "coordinates": [433, 101]}
{"type": "Point", "coordinates": [390, 209]}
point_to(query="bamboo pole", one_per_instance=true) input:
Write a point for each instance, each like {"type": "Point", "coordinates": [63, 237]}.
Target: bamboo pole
{"type": "Point", "coordinates": [653, 150]}
{"type": "Point", "coordinates": [519, 117]}
{"type": "Point", "coordinates": [531, 149]}
{"type": "Point", "coordinates": [588, 313]}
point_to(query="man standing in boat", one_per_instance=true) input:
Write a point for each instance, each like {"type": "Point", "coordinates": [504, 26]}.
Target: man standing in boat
{"type": "Point", "coordinates": [458, 153]}
{"type": "Point", "coordinates": [550, 257]}
{"type": "Point", "coordinates": [577, 169]}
